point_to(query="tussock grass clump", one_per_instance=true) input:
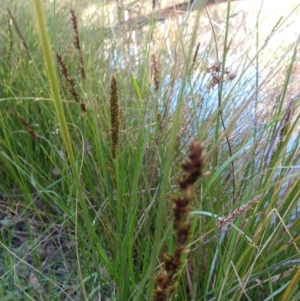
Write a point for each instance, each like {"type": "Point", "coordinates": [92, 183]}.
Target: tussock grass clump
{"type": "Point", "coordinates": [88, 191]}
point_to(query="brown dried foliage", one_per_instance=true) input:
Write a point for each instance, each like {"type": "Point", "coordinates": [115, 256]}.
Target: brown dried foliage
{"type": "Point", "coordinates": [69, 80]}
{"type": "Point", "coordinates": [216, 74]}
{"type": "Point", "coordinates": [195, 55]}
{"type": "Point", "coordinates": [166, 282]}
{"type": "Point", "coordinates": [10, 42]}
{"type": "Point", "coordinates": [77, 42]}
{"type": "Point", "coordinates": [19, 32]}
{"type": "Point", "coordinates": [114, 116]}
{"type": "Point", "coordinates": [237, 212]}
{"type": "Point", "coordinates": [155, 72]}
{"type": "Point", "coordinates": [29, 128]}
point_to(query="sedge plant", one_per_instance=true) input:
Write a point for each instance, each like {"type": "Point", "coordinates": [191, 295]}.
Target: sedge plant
{"type": "Point", "coordinates": [99, 111]}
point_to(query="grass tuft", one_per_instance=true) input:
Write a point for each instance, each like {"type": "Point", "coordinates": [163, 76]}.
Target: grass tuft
{"type": "Point", "coordinates": [93, 205]}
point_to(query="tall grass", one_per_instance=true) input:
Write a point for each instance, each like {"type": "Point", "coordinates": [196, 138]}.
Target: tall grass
{"type": "Point", "coordinates": [94, 134]}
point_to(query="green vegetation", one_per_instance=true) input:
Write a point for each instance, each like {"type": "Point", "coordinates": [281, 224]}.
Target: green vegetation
{"type": "Point", "coordinates": [98, 160]}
